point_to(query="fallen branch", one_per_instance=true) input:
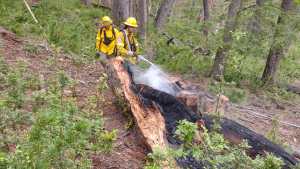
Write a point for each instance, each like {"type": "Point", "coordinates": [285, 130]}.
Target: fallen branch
{"type": "Point", "coordinates": [32, 14]}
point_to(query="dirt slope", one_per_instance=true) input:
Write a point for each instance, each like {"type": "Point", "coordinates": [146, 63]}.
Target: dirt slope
{"type": "Point", "coordinates": [129, 152]}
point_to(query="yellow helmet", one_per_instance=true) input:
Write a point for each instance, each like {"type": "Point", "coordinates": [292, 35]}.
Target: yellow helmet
{"type": "Point", "coordinates": [106, 19]}
{"type": "Point", "coordinates": [131, 21]}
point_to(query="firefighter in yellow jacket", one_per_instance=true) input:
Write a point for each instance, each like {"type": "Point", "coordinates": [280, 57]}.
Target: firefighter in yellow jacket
{"type": "Point", "coordinates": [127, 44]}
{"type": "Point", "coordinates": [106, 39]}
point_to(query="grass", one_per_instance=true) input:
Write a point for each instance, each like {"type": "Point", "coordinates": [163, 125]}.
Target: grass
{"type": "Point", "coordinates": [47, 129]}
{"type": "Point", "coordinates": [66, 24]}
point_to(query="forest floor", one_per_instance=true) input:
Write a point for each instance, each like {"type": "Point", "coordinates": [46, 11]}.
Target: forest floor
{"type": "Point", "coordinates": [129, 151]}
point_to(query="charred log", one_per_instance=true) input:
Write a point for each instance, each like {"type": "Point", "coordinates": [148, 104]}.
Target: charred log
{"type": "Point", "coordinates": [173, 111]}
{"type": "Point", "coordinates": [157, 114]}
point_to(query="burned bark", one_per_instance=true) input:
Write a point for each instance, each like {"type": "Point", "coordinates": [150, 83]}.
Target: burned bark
{"type": "Point", "coordinates": [221, 55]}
{"type": "Point", "coordinates": [163, 13]}
{"type": "Point", "coordinates": [280, 44]}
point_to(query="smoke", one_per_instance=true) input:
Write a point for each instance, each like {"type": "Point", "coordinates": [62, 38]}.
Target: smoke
{"type": "Point", "coordinates": [155, 78]}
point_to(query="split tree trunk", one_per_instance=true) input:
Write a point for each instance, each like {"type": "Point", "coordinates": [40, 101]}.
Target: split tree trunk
{"type": "Point", "coordinates": [281, 42]}
{"type": "Point", "coordinates": [120, 10]}
{"type": "Point", "coordinates": [148, 118]}
{"type": "Point", "coordinates": [163, 13]}
{"type": "Point", "coordinates": [147, 115]}
{"type": "Point", "coordinates": [221, 55]}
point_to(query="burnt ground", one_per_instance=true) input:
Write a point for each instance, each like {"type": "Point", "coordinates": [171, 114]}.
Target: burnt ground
{"type": "Point", "coordinates": [128, 152]}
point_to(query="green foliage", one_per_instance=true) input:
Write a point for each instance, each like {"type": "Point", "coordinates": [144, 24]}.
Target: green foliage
{"type": "Point", "coordinates": [105, 141]}
{"type": "Point", "coordinates": [67, 24]}
{"type": "Point", "coordinates": [56, 134]}
{"type": "Point", "coordinates": [273, 133]}
{"type": "Point", "coordinates": [186, 131]}
{"type": "Point", "coordinates": [159, 158]}
{"type": "Point", "coordinates": [15, 83]}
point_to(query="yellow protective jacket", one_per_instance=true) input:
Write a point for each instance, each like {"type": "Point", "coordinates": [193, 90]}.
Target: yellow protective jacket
{"type": "Point", "coordinates": [124, 45]}
{"type": "Point", "coordinates": [106, 40]}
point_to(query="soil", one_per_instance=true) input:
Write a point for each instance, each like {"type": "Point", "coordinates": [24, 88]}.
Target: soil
{"type": "Point", "coordinates": [129, 152]}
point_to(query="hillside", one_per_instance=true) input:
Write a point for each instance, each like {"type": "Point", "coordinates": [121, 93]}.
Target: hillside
{"type": "Point", "coordinates": [58, 109]}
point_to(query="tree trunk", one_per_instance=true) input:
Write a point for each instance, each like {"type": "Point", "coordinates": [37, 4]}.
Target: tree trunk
{"type": "Point", "coordinates": [163, 13]}
{"type": "Point", "coordinates": [254, 24]}
{"type": "Point", "coordinates": [280, 44]}
{"type": "Point", "coordinates": [220, 59]}
{"type": "Point", "coordinates": [133, 8]}
{"type": "Point", "coordinates": [120, 10]}
{"type": "Point", "coordinates": [87, 2]}
{"type": "Point", "coordinates": [143, 18]}
{"type": "Point", "coordinates": [206, 16]}
{"type": "Point", "coordinates": [260, 2]}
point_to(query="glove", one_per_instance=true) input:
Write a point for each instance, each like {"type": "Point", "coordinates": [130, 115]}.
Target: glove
{"type": "Point", "coordinates": [97, 54]}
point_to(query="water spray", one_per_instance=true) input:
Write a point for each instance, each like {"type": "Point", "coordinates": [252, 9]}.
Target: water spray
{"type": "Point", "coordinates": [154, 77]}
{"type": "Point", "coordinates": [146, 60]}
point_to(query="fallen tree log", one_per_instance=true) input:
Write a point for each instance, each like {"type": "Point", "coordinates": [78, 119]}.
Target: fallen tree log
{"type": "Point", "coordinates": [295, 88]}
{"type": "Point", "coordinates": [173, 111]}
{"type": "Point", "coordinates": [157, 113]}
